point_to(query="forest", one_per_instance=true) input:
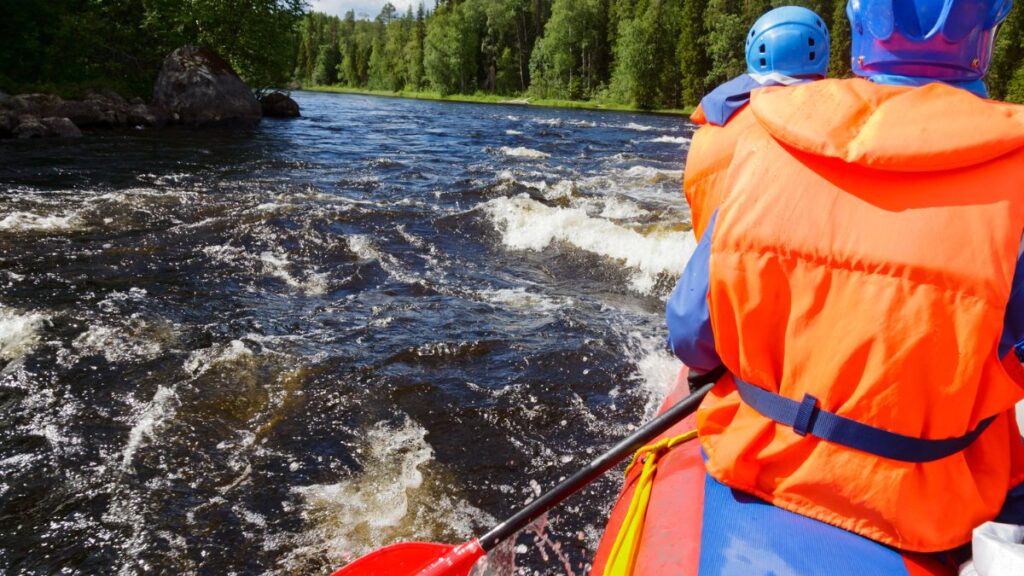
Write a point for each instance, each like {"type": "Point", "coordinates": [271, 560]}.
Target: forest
{"type": "Point", "coordinates": [67, 46]}
{"type": "Point", "coordinates": [643, 53]}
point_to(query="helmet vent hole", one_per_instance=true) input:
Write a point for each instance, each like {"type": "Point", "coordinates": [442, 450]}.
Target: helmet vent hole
{"type": "Point", "coordinates": [763, 62]}
{"type": "Point", "coordinates": [812, 56]}
{"type": "Point", "coordinates": [810, 41]}
{"type": "Point", "coordinates": [761, 49]}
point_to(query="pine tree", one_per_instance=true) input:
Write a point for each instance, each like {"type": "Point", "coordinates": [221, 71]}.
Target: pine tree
{"type": "Point", "coordinates": [724, 40]}
{"type": "Point", "coordinates": [1004, 77]}
{"type": "Point", "coordinates": [691, 52]}
{"type": "Point", "coordinates": [646, 73]}
{"type": "Point", "coordinates": [840, 58]}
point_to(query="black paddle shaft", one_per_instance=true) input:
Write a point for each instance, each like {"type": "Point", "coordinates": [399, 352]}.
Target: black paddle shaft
{"type": "Point", "coordinates": [597, 467]}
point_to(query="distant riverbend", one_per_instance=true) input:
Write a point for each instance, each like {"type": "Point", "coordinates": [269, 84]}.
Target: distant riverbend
{"type": "Point", "coordinates": [266, 351]}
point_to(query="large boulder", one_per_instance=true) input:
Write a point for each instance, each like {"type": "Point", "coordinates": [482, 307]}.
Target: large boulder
{"type": "Point", "coordinates": [30, 126]}
{"type": "Point", "coordinates": [143, 115]}
{"type": "Point", "coordinates": [37, 104]}
{"type": "Point", "coordinates": [61, 127]}
{"type": "Point", "coordinates": [198, 88]}
{"type": "Point", "coordinates": [279, 105]}
{"type": "Point", "coordinates": [88, 114]}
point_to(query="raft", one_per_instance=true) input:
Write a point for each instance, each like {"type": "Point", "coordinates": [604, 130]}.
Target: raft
{"type": "Point", "coordinates": [696, 526]}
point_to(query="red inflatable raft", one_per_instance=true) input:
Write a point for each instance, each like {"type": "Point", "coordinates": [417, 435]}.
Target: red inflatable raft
{"type": "Point", "coordinates": [696, 526]}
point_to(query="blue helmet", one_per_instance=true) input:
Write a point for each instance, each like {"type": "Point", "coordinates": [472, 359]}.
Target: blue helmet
{"type": "Point", "coordinates": [949, 40]}
{"type": "Point", "coordinates": [789, 40]}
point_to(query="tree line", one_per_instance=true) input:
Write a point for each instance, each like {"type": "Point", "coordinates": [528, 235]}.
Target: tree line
{"type": "Point", "coordinates": [647, 53]}
{"type": "Point", "coordinates": [67, 46]}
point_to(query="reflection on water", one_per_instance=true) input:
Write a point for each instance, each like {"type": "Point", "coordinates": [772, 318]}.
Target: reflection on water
{"type": "Point", "coordinates": [272, 351]}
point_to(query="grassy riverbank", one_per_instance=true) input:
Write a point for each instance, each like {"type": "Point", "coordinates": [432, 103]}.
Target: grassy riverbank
{"type": "Point", "coordinates": [496, 99]}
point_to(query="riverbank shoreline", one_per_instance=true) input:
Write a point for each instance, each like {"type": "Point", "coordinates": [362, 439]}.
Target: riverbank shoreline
{"type": "Point", "coordinates": [504, 100]}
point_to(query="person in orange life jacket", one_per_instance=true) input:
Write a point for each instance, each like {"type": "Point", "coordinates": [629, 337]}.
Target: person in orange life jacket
{"type": "Point", "coordinates": [786, 46]}
{"type": "Point", "coordinates": [858, 293]}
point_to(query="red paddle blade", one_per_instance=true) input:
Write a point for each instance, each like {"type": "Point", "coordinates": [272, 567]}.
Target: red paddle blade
{"type": "Point", "coordinates": [416, 559]}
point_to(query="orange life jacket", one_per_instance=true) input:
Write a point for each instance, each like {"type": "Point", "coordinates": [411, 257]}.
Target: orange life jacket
{"type": "Point", "coordinates": [706, 162]}
{"type": "Point", "coordinates": [864, 255]}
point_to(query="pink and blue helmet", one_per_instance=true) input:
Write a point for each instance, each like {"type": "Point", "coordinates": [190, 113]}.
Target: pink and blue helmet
{"type": "Point", "coordinates": [947, 40]}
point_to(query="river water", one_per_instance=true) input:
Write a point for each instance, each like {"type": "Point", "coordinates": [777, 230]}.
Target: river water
{"type": "Point", "coordinates": [267, 352]}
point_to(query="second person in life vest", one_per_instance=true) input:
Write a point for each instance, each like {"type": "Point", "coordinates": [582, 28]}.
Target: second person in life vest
{"type": "Point", "coordinates": [863, 288]}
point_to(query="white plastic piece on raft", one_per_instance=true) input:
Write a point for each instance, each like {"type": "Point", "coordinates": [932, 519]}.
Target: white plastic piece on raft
{"type": "Point", "coordinates": [998, 550]}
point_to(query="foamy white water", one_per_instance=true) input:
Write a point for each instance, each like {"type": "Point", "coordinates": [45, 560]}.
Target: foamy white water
{"type": "Point", "coordinates": [19, 332]}
{"type": "Point", "coordinates": [200, 361]}
{"type": "Point", "coordinates": [136, 340]}
{"type": "Point", "coordinates": [617, 208]}
{"type": "Point", "coordinates": [652, 175]}
{"type": "Point", "coordinates": [522, 299]}
{"type": "Point", "coordinates": [671, 139]}
{"type": "Point", "coordinates": [207, 363]}
{"type": "Point", "coordinates": [526, 224]}
{"type": "Point", "coordinates": [399, 495]}
{"type": "Point", "coordinates": [277, 265]}
{"type": "Point", "coordinates": [146, 427]}
{"type": "Point", "coordinates": [522, 152]}
{"type": "Point", "coordinates": [30, 222]}
{"type": "Point", "coordinates": [638, 127]}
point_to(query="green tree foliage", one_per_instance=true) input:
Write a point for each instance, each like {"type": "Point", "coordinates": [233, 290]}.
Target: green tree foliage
{"type": "Point", "coordinates": [691, 51]}
{"type": "Point", "coordinates": [643, 52]}
{"type": "Point", "coordinates": [326, 65]}
{"type": "Point", "coordinates": [412, 55]}
{"type": "Point", "coordinates": [839, 59]}
{"type": "Point", "coordinates": [1006, 76]}
{"type": "Point", "coordinates": [725, 36]}
{"type": "Point", "coordinates": [571, 60]}
{"type": "Point", "coordinates": [444, 55]}
{"type": "Point", "coordinates": [79, 43]}
{"type": "Point", "coordinates": [646, 70]}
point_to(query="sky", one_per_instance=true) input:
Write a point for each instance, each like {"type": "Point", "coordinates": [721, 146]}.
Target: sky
{"type": "Point", "coordinates": [363, 8]}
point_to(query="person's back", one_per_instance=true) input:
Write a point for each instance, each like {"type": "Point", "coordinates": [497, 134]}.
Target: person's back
{"type": "Point", "coordinates": [786, 46]}
{"type": "Point", "coordinates": [862, 290]}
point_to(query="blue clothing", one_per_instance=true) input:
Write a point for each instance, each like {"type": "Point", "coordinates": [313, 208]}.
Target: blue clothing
{"type": "Point", "coordinates": [725, 101]}
{"type": "Point", "coordinates": [722, 102]}
{"type": "Point", "coordinates": [977, 87]}
{"type": "Point", "coordinates": [689, 320]}
{"type": "Point", "coordinates": [687, 314]}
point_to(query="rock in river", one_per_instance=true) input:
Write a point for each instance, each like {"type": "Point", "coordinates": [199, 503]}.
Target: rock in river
{"type": "Point", "coordinates": [198, 88]}
{"type": "Point", "coordinates": [279, 105]}
{"type": "Point", "coordinates": [61, 127]}
{"type": "Point", "coordinates": [30, 127]}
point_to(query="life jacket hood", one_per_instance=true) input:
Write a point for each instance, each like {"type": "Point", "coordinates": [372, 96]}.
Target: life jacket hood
{"type": "Point", "coordinates": [892, 128]}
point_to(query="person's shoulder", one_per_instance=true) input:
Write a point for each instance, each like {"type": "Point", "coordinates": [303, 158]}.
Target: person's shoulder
{"type": "Point", "coordinates": [722, 103]}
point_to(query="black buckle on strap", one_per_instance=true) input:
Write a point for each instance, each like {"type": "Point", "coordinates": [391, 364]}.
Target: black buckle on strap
{"type": "Point", "coordinates": [698, 380]}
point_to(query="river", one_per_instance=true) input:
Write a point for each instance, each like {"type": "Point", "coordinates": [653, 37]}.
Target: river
{"type": "Point", "coordinates": [269, 351]}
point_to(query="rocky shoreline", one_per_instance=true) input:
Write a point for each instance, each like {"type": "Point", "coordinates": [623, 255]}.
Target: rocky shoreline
{"type": "Point", "coordinates": [196, 87]}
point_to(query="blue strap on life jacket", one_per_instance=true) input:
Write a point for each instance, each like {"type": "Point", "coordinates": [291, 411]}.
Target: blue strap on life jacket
{"type": "Point", "coordinates": [807, 418]}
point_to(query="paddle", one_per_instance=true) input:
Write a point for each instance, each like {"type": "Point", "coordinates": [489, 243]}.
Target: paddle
{"type": "Point", "coordinates": [429, 559]}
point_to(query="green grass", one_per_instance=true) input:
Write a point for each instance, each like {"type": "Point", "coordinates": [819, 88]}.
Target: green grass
{"type": "Point", "coordinates": [480, 98]}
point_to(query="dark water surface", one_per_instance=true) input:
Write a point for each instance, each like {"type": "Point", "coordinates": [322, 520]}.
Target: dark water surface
{"type": "Point", "coordinates": [266, 352]}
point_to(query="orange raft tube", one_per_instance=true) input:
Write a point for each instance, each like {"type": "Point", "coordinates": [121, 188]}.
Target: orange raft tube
{"type": "Point", "coordinates": [696, 526]}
